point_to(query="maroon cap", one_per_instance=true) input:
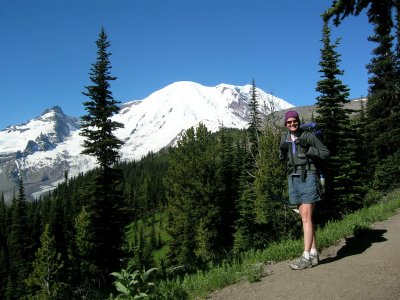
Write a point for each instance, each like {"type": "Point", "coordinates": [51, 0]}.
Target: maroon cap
{"type": "Point", "coordinates": [291, 114]}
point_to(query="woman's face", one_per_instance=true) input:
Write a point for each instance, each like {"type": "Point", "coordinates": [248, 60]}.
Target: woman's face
{"type": "Point", "coordinates": [292, 124]}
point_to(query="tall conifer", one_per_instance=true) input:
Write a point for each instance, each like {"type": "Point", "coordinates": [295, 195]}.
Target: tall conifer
{"type": "Point", "coordinates": [97, 126]}
{"type": "Point", "coordinates": [20, 245]}
{"type": "Point", "coordinates": [103, 198]}
{"type": "Point", "coordinates": [270, 187]}
{"type": "Point", "coordinates": [3, 247]}
{"type": "Point", "coordinates": [193, 202]}
{"type": "Point", "coordinates": [254, 129]}
{"type": "Point", "coordinates": [338, 135]}
{"type": "Point", "coordinates": [228, 175]}
{"type": "Point", "coordinates": [383, 106]}
{"type": "Point", "coordinates": [245, 224]}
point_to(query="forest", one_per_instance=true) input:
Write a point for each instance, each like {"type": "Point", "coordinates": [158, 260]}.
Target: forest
{"type": "Point", "coordinates": [214, 195]}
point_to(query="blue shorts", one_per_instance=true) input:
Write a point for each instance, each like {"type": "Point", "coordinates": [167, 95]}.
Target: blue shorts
{"type": "Point", "coordinates": [304, 192]}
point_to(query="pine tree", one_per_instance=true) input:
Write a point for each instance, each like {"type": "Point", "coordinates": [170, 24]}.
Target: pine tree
{"type": "Point", "coordinates": [20, 245]}
{"type": "Point", "coordinates": [193, 205]}
{"type": "Point", "coordinates": [333, 93]}
{"type": "Point", "coordinates": [383, 101]}
{"type": "Point", "coordinates": [340, 9]}
{"type": "Point", "coordinates": [246, 222]}
{"type": "Point", "coordinates": [338, 135]}
{"type": "Point", "coordinates": [103, 197]}
{"type": "Point", "coordinates": [270, 191]}
{"type": "Point", "coordinates": [3, 247]}
{"type": "Point", "coordinates": [84, 244]}
{"type": "Point", "coordinates": [228, 178]}
{"type": "Point", "coordinates": [97, 126]}
{"type": "Point", "coordinates": [254, 128]}
{"type": "Point", "coordinates": [383, 106]}
{"type": "Point", "coordinates": [47, 268]}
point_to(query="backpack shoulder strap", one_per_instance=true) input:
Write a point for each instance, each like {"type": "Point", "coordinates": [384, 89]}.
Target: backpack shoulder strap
{"type": "Point", "coordinates": [305, 135]}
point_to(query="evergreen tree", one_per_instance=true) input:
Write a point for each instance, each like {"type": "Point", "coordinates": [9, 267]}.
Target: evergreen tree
{"type": "Point", "coordinates": [245, 222]}
{"type": "Point", "coordinates": [383, 100]}
{"type": "Point", "coordinates": [254, 129]}
{"type": "Point", "coordinates": [20, 245]}
{"type": "Point", "coordinates": [338, 135]}
{"type": "Point", "coordinates": [84, 244]}
{"type": "Point", "coordinates": [341, 9]}
{"type": "Point", "coordinates": [140, 247]}
{"type": "Point", "coordinates": [193, 205]}
{"type": "Point", "coordinates": [103, 197]}
{"type": "Point", "coordinates": [270, 192]}
{"type": "Point", "coordinates": [3, 247]}
{"type": "Point", "coordinates": [360, 123]}
{"type": "Point", "coordinates": [228, 177]}
{"type": "Point", "coordinates": [333, 93]}
{"type": "Point", "coordinates": [97, 126]}
{"type": "Point", "coordinates": [47, 268]}
{"type": "Point", "coordinates": [383, 106]}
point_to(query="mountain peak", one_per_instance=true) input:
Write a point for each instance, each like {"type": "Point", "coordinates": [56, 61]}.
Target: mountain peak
{"type": "Point", "coordinates": [46, 147]}
{"type": "Point", "coordinates": [57, 109]}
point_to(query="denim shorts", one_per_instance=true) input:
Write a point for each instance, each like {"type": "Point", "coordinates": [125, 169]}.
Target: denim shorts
{"type": "Point", "coordinates": [304, 192]}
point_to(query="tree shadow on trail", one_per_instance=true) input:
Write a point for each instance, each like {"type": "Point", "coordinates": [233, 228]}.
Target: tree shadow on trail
{"type": "Point", "coordinates": [357, 244]}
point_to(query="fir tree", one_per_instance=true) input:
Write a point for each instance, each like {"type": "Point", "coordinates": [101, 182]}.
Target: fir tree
{"type": "Point", "coordinates": [193, 205]}
{"type": "Point", "coordinates": [383, 101]}
{"type": "Point", "coordinates": [338, 135]}
{"type": "Point", "coordinates": [97, 126]}
{"type": "Point", "coordinates": [84, 244]}
{"type": "Point", "coordinates": [254, 128]}
{"type": "Point", "coordinates": [333, 93]}
{"type": "Point", "coordinates": [228, 175]}
{"type": "Point", "coordinates": [246, 222]}
{"type": "Point", "coordinates": [270, 191]}
{"type": "Point", "coordinates": [3, 247]}
{"type": "Point", "coordinates": [47, 268]}
{"type": "Point", "coordinates": [103, 197]}
{"type": "Point", "coordinates": [383, 106]}
{"type": "Point", "coordinates": [340, 9]}
{"type": "Point", "coordinates": [20, 245]}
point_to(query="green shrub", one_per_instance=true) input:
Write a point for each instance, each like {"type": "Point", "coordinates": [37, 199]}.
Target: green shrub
{"type": "Point", "coordinates": [133, 285]}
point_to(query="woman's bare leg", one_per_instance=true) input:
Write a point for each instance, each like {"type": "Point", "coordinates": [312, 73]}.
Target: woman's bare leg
{"type": "Point", "coordinates": [306, 211]}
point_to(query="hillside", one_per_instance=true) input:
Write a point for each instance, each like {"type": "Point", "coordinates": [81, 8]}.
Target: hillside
{"type": "Point", "coordinates": [364, 266]}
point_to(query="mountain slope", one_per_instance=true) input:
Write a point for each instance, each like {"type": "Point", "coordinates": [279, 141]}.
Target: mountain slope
{"type": "Point", "coordinates": [46, 147]}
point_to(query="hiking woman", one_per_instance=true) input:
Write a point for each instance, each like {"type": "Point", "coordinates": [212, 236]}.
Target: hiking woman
{"type": "Point", "coordinates": [302, 150]}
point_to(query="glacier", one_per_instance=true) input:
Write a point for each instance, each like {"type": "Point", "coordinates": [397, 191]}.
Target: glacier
{"type": "Point", "coordinates": [43, 149]}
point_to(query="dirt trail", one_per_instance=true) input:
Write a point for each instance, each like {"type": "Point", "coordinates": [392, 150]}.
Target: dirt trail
{"type": "Point", "coordinates": [366, 266]}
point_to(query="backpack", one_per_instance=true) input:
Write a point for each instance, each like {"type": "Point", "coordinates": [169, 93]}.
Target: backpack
{"type": "Point", "coordinates": [312, 127]}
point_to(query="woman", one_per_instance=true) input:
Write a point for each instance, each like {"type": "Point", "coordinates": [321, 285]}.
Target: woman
{"type": "Point", "coordinates": [302, 150]}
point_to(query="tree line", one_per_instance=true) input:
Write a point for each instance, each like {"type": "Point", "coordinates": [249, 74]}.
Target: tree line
{"type": "Point", "coordinates": [213, 195]}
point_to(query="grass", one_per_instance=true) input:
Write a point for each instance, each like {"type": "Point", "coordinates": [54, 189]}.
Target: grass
{"type": "Point", "coordinates": [249, 266]}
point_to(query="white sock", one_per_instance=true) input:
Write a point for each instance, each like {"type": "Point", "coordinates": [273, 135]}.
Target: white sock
{"type": "Point", "coordinates": [314, 251]}
{"type": "Point", "coordinates": [306, 255]}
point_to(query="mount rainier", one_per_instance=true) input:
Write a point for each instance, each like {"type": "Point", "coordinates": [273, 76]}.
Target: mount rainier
{"type": "Point", "coordinates": [45, 148]}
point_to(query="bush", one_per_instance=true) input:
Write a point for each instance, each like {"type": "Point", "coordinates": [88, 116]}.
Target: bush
{"type": "Point", "coordinates": [133, 285]}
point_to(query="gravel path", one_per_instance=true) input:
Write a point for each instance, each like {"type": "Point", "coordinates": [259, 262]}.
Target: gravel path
{"type": "Point", "coordinates": [366, 266]}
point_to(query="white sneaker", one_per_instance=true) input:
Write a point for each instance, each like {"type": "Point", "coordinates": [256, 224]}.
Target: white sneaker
{"type": "Point", "coordinates": [302, 263]}
{"type": "Point", "coordinates": [314, 259]}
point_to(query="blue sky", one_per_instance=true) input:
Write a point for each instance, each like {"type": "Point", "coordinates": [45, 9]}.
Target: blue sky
{"type": "Point", "coordinates": [47, 48]}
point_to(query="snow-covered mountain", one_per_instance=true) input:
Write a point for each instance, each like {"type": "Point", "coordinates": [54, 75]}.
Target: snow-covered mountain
{"type": "Point", "coordinates": [46, 147]}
